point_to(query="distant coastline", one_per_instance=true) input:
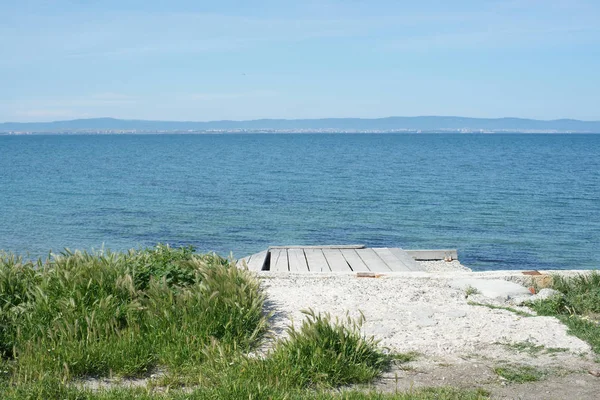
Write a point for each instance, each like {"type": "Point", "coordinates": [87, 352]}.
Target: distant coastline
{"type": "Point", "coordinates": [428, 124]}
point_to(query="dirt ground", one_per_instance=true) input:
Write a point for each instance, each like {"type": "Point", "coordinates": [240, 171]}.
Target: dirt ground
{"type": "Point", "coordinates": [561, 383]}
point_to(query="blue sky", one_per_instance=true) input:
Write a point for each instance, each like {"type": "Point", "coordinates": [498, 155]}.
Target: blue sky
{"type": "Point", "coordinates": [208, 60]}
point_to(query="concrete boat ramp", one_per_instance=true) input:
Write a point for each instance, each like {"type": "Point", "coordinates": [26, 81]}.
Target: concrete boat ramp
{"type": "Point", "coordinates": [342, 258]}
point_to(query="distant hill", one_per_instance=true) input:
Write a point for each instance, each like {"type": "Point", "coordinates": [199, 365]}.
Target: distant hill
{"type": "Point", "coordinates": [426, 124]}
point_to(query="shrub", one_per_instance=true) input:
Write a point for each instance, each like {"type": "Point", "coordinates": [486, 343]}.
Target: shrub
{"type": "Point", "coordinates": [125, 313]}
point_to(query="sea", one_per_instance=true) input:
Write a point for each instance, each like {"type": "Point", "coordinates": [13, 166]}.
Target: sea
{"type": "Point", "coordinates": [505, 201]}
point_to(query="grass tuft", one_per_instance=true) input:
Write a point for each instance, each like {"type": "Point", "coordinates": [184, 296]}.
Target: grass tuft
{"type": "Point", "coordinates": [405, 357]}
{"type": "Point", "coordinates": [533, 349]}
{"type": "Point", "coordinates": [520, 373]}
{"type": "Point", "coordinates": [470, 290]}
{"type": "Point", "coordinates": [329, 352]}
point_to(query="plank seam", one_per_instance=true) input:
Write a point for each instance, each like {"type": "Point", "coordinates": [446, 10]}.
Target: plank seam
{"type": "Point", "coordinates": [326, 260]}
{"type": "Point", "coordinates": [363, 260]}
{"type": "Point", "coordinates": [382, 260]}
{"type": "Point", "coordinates": [287, 256]}
{"type": "Point", "coordinates": [347, 262]}
{"type": "Point", "coordinates": [306, 259]}
{"type": "Point", "coordinates": [271, 261]}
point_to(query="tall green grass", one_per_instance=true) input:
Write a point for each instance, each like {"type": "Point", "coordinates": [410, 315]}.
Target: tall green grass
{"type": "Point", "coordinates": [330, 352]}
{"type": "Point", "coordinates": [66, 393]}
{"type": "Point", "coordinates": [44, 391]}
{"type": "Point", "coordinates": [578, 306]}
{"type": "Point", "coordinates": [81, 314]}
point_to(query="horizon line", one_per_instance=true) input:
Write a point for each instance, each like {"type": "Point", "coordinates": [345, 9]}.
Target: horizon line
{"type": "Point", "coordinates": [294, 119]}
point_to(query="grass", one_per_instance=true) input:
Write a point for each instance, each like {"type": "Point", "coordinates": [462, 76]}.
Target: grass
{"type": "Point", "coordinates": [578, 307]}
{"type": "Point", "coordinates": [329, 352]}
{"type": "Point", "coordinates": [443, 393]}
{"type": "Point", "coordinates": [532, 349]}
{"type": "Point", "coordinates": [520, 373]}
{"type": "Point", "coordinates": [470, 290]}
{"type": "Point", "coordinates": [79, 316]}
{"type": "Point", "coordinates": [493, 307]}
{"type": "Point", "coordinates": [70, 393]}
{"type": "Point", "coordinates": [405, 357]}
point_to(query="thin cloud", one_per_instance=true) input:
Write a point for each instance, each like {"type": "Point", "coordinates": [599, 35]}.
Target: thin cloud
{"type": "Point", "coordinates": [66, 107]}
{"type": "Point", "coordinates": [44, 114]}
{"type": "Point", "coordinates": [229, 96]}
{"type": "Point", "coordinates": [511, 37]}
{"type": "Point", "coordinates": [136, 34]}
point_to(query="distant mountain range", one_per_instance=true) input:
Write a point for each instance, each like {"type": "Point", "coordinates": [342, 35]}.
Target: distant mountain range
{"type": "Point", "coordinates": [424, 124]}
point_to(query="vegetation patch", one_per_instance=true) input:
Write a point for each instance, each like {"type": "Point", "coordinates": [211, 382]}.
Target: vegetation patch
{"type": "Point", "coordinates": [493, 307]}
{"type": "Point", "coordinates": [81, 314]}
{"type": "Point", "coordinates": [578, 306]}
{"type": "Point", "coordinates": [520, 373]}
{"type": "Point", "coordinates": [470, 290]}
{"type": "Point", "coordinates": [330, 352]}
{"type": "Point", "coordinates": [69, 393]}
{"type": "Point", "coordinates": [440, 393]}
{"type": "Point", "coordinates": [405, 357]}
{"type": "Point", "coordinates": [533, 349]}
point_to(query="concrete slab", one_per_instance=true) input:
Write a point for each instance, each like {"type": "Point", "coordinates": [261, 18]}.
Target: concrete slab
{"type": "Point", "coordinates": [492, 288]}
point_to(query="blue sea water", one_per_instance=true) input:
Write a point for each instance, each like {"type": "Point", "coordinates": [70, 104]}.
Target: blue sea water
{"type": "Point", "coordinates": [504, 201]}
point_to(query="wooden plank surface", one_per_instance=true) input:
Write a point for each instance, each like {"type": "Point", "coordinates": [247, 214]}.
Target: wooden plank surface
{"type": "Point", "coordinates": [336, 260]}
{"type": "Point", "coordinates": [406, 259]}
{"type": "Point", "coordinates": [297, 261]}
{"type": "Point", "coordinates": [316, 260]}
{"type": "Point", "coordinates": [256, 261]}
{"type": "Point", "coordinates": [274, 256]}
{"type": "Point", "coordinates": [330, 246]}
{"type": "Point", "coordinates": [433, 254]}
{"type": "Point", "coordinates": [343, 258]}
{"type": "Point", "coordinates": [372, 260]}
{"type": "Point", "coordinates": [356, 263]}
{"type": "Point", "coordinates": [279, 260]}
{"type": "Point", "coordinates": [391, 260]}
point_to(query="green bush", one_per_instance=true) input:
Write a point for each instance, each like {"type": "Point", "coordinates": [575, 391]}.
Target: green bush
{"type": "Point", "coordinates": [124, 313]}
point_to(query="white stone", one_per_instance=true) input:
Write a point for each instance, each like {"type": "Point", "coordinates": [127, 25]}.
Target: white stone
{"type": "Point", "coordinates": [492, 288]}
{"type": "Point", "coordinates": [545, 294]}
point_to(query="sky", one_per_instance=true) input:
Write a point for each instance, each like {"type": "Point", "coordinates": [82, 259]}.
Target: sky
{"type": "Point", "coordinates": [211, 60]}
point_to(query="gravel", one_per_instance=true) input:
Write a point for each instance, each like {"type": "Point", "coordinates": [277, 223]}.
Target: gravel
{"type": "Point", "coordinates": [418, 312]}
{"type": "Point", "coordinates": [443, 266]}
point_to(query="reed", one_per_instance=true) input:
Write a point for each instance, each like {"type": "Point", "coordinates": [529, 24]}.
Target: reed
{"type": "Point", "coordinates": [86, 314]}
